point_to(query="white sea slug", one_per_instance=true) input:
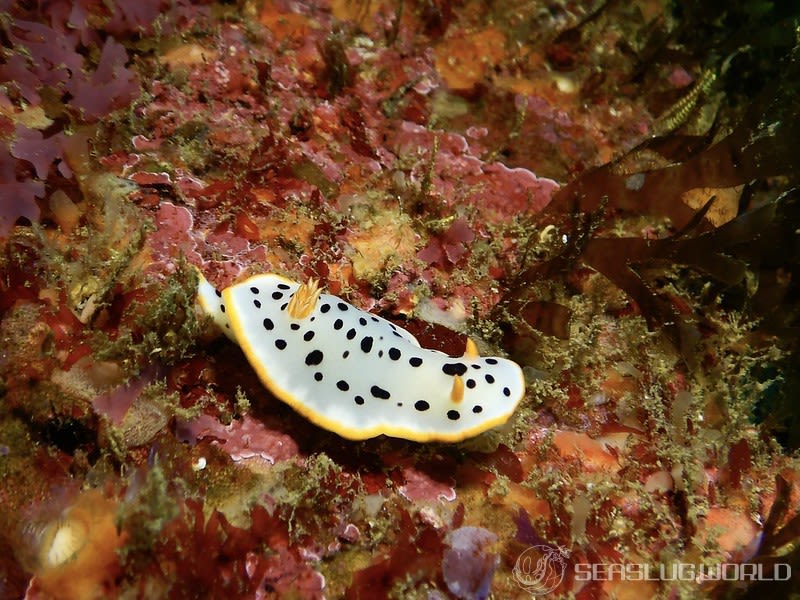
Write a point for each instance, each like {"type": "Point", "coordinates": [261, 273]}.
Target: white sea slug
{"type": "Point", "coordinates": [355, 373]}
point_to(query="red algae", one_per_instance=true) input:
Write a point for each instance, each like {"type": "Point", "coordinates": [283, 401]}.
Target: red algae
{"type": "Point", "coordinates": [243, 440]}
{"type": "Point", "coordinates": [419, 486]}
{"type": "Point", "coordinates": [604, 194]}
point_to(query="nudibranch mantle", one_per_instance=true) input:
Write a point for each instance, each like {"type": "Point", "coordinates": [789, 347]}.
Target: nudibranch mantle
{"type": "Point", "coordinates": [357, 374]}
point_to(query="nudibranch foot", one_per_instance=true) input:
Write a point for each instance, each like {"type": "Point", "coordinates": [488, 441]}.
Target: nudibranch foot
{"type": "Point", "coordinates": [355, 373]}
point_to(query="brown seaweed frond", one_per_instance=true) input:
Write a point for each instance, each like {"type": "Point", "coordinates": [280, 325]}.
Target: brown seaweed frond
{"type": "Point", "coordinates": [759, 246]}
{"type": "Point", "coordinates": [763, 144]}
{"type": "Point", "coordinates": [763, 241]}
{"type": "Point", "coordinates": [772, 550]}
{"type": "Point", "coordinates": [758, 251]}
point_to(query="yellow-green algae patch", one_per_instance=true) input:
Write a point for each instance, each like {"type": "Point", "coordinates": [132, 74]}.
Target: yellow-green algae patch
{"type": "Point", "coordinates": [166, 326]}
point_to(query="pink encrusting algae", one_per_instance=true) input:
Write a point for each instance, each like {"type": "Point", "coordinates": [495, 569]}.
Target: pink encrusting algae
{"type": "Point", "coordinates": [504, 180]}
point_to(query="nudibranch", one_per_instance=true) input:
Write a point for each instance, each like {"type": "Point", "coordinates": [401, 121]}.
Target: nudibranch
{"type": "Point", "coordinates": [355, 373]}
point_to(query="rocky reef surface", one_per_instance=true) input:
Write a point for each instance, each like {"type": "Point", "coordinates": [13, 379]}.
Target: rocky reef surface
{"type": "Point", "coordinates": [603, 192]}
